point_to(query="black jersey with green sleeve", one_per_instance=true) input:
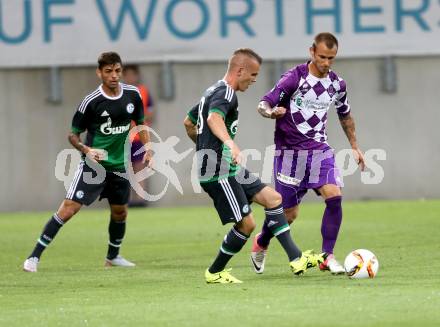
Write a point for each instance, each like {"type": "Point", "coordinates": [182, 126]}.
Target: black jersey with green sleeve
{"type": "Point", "coordinates": [214, 158]}
{"type": "Point", "coordinates": [107, 121]}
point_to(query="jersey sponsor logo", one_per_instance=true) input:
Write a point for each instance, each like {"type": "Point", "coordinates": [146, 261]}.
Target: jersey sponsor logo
{"type": "Point", "coordinates": [298, 102]}
{"type": "Point", "coordinates": [130, 108]}
{"type": "Point", "coordinates": [107, 128]}
{"type": "Point", "coordinates": [79, 194]}
{"type": "Point", "coordinates": [105, 114]}
{"type": "Point", "coordinates": [288, 180]}
{"type": "Point", "coordinates": [302, 103]}
{"type": "Point", "coordinates": [234, 127]}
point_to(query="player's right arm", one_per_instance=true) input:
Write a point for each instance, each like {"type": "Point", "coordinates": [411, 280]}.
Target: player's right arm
{"type": "Point", "coordinates": [273, 104]}
{"type": "Point", "coordinates": [265, 110]}
{"type": "Point", "coordinates": [79, 125]}
{"type": "Point", "coordinates": [95, 155]}
{"type": "Point", "coordinates": [75, 140]}
{"type": "Point", "coordinates": [190, 123]}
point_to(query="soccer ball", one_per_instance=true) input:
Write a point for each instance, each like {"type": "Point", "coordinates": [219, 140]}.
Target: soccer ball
{"type": "Point", "coordinates": [361, 264]}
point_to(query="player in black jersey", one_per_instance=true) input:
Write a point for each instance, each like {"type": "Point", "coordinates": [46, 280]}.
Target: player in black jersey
{"type": "Point", "coordinates": [106, 115]}
{"type": "Point", "coordinates": [212, 125]}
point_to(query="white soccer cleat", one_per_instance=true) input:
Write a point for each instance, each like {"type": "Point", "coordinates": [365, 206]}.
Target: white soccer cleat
{"type": "Point", "coordinates": [332, 265]}
{"type": "Point", "coordinates": [119, 261]}
{"type": "Point", "coordinates": [31, 264]}
{"type": "Point", "coordinates": [258, 255]}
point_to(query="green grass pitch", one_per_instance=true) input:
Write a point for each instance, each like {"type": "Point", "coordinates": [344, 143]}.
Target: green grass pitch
{"type": "Point", "coordinates": [172, 248]}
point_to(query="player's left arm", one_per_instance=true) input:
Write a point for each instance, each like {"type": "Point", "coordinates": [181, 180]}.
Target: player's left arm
{"type": "Point", "coordinates": [222, 102]}
{"type": "Point", "coordinates": [149, 110]}
{"type": "Point", "coordinates": [144, 135]}
{"type": "Point", "coordinates": [347, 122]}
{"type": "Point", "coordinates": [348, 125]}
{"type": "Point", "coordinates": [217, 126]}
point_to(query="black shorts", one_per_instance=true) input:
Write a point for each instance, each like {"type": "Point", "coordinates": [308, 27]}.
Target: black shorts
{"type": "Point", "coordinates": [232, 198]}
{"type": "Point", "coordinates": [85, 191]}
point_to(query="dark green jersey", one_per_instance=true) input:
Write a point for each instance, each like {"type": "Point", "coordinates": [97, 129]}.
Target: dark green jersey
{"type": "Point", "coordinates": [214, 158]}
{"type": "Point", "coordinates": [107, 122]}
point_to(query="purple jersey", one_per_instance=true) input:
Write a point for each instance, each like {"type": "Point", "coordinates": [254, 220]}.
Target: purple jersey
{"type": "Point", "coordinates": [307, 100]}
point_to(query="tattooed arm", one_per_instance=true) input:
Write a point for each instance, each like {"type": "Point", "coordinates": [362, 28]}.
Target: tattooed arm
{"type": "Point", "coordinates": [348, 126]}
{"type": "Point", "coordinates": [265, 110]}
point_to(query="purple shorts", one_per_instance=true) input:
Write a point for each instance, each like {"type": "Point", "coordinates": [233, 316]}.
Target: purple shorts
{"type": "Point", "coordinates": [296, 171]}
{"type": "Point", "coordinates": [135, 146]}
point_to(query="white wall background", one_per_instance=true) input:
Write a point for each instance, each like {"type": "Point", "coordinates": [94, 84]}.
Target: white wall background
{"type": "Point", "coordinates": [404, 124]}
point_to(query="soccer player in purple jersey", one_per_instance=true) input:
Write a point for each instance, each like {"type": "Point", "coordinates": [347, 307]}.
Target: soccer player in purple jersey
{"type": "Point", "coordinates": [303, 160]}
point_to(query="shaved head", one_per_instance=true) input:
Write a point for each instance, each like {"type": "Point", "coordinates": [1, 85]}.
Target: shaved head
{"type": "Point", "coordinates": [241, 57]}
{"type": "Point", "coordinates": [329, 39]}
{"type": "Point", "coordinates": [243, 68]}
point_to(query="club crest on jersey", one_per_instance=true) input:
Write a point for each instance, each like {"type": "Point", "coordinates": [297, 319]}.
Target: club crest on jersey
{"type": "Point", "coordinates": [107, 128]}
{"type": "Point", "coordinates": [234, 127]}
{"type": "Point", "coordinates": [331, 91]}
{"type": "Point", "coordinates": [130, 108]}
{"type": "Point", "coordinates": [79, 194]}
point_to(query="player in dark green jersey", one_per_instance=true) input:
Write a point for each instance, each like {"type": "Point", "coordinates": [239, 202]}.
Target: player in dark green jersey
{"type": "Point", "coordinates": [106, 115]}
{"type": "Point", "coordinates": [212, 125]}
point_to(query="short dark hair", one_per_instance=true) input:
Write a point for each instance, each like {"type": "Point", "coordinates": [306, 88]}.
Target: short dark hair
{"type": "Point", "coordinates": [132, 67]}
{"type": "Point", "coordinates": [328, 38]}
{"type": "Point", "coordinates": [108, 58]}
{"type": "Point", "coordinates": [250, 53]}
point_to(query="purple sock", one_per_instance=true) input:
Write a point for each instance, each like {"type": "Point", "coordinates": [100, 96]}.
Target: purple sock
{"type": "Point", "coordinates": [331, 221]}
{"type": "Point", "coordinates": [265, 236]}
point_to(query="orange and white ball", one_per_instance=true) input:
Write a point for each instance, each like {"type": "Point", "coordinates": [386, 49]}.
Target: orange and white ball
{"type": "Point", "coordinates": [361, 263]}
